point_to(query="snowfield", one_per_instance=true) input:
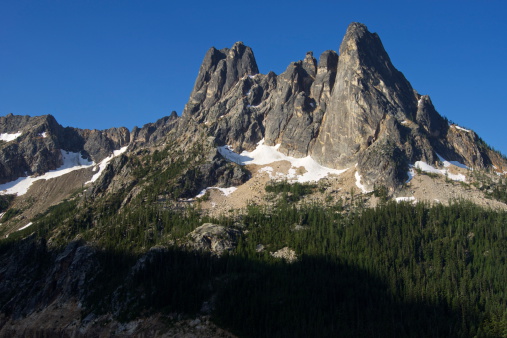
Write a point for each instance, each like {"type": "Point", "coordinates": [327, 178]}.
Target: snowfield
{"type": "Point", "coordinates": [103, 164]}
{"type": "Point", "coordinates": [9, 137]}
{"type": "Point", "coordinates": [263, 155]}
{"type": "Point", "coordinates": [24, 227]}
{"type": "Point", "coordinates": [448, 163]}
{"type": "Point", "coordinates": [431, 169]}
{"type": "Point", "coordinates": [405, 199]}
{"type": "Point", "coordinates": [71, 162]}
{"type": "Point", "coordinates": [225, 191]}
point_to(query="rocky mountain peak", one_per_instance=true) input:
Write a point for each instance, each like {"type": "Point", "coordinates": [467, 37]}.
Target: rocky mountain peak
{"type": "Point", "coordinates": [219, 72]}
{"type": "Point", "coordinates": [353, 110]}
{"type": "Point", "coordinates": [367, 90]}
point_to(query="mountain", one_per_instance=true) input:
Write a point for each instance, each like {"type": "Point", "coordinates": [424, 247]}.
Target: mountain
{"type": "Point", "coordinates": [273, 202]}
{"type": "Point", "coordinates": [355, 109]}
{"type": "Point", "coordinates": [36, 149]}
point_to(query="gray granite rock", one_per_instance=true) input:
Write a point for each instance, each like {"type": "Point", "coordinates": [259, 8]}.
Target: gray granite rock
{"type": "Point", "coordinates": [38, 149]}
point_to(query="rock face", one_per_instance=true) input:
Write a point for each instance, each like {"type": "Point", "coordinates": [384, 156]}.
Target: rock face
{"type": "Point", "coordinates": [368, 90]}
{"type": "Point", "coordinates": [349, 110]}
{"type": "Point", "coordinates": [41, 286]}
{"type": "Point", "coordinates": [220, 71]}
{"type": "Point", "coordinates": [38, 147]}
{"type": "Point", "coordinates": [213, 238]}
{"type": "Point", "coordinates": [286, 254]}
{"type": "Point", "coordinates": [152, 132]}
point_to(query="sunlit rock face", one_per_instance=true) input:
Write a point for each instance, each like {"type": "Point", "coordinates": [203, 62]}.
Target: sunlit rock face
{"type": "Point", "coordinates": [354, 109]}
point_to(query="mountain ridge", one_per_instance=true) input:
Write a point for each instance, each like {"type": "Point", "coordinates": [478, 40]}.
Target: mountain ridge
{"type": "Point", "coordinates": [352, 109]}
{"type": "Point", "coordinates": [342, 117]}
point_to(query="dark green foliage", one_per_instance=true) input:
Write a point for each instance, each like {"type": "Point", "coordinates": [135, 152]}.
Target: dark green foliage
{"type": "Point", "coordinates": [499, 192]}
{"type": "Point", "coordinates": [496, 189]}
{"type": "Point", "coordinates": [426, 271]}
{"type": "Point", "coordinates": [170, 281]}
{"type": "Point", "coordinates": [381, 192]}
{"type": "Point", "coordinates": [291, 192]}
{"type": "Point", "coordinates": [5, 202]}
{"type": "Point", "coordinates": [397, 270]}
{"type": "Point", "coordinates": [12, 212]}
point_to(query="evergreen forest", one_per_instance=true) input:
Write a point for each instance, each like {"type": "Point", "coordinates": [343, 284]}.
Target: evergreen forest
{"type": "Point", "coordinates": [399, 269]}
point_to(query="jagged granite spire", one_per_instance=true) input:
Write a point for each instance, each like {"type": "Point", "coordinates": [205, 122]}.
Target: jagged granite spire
{"type": "Point", "coordinates": [367, 89]}
{"type": "Point", "coordinates": [219, 72]}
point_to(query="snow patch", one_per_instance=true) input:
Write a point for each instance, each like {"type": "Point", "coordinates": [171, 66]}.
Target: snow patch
{"type": "Point", "coordinates": [263, 155]}
{"type": "Point", "coordinates": [103, 164]}
{"type": "Point", "coordinates": [71, 162]}
{"type": "Point", "coordinates": [430, 169]}
{"type": "Point", "coordinates": [9, 137]}
{"type": "Point", "coordinates": [43, 134]}
{"type": "Point", "coordinates": [225, 191]}
{"type": "Point", "coordinates": [359, 185]}
{"type": "Point", "coordinates": [447, 164]}
{"type": "Point", "coordinates": [405, 199]}
{"type": "Point", "coordinates": [404, 122]}
{"type": "Point", "coordinates": [460, 128]}
{"type": "Point", "coordinates": [24, 227]}
{"type": "Point", "coordinates": [410, 174]}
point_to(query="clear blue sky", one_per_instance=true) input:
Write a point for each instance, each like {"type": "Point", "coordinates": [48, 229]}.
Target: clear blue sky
{"type": "Point", "coordinates": [100, 64]}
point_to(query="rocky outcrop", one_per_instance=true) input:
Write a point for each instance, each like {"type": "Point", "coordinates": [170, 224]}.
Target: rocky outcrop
{"type": "Point", "coordinates": [152, 132]}
{"type": "Point", "coordinates": [286, 254]}
{"type": "Point", "coordinates": [213, 238]}
{"type": "Point", "coordinates": [33, 277]}
{"type": "Point", "coordinates": [49, 292]}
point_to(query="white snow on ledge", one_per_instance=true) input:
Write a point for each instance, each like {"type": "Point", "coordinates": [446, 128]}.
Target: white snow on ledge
{"type": "Point", "coordinates": [461, 128]}
{"type": "Point", "coordinates": [359, 184]}
{"type": "Point", "coordinates": [263, 155]}
{"type": "Point", "coordinates": [225, 191]}
{"type": "Point", "coordinates": [103, 164]}
{"type": "Point", "coordinates": [71, 162]}
{"type": "Point", "coordinates": [448, 163]}
{"type": "Point", "coordinates": [423, 166]}
{"type": "Point", "coordinates": [24, 227]}
{"type": "Point", "coordinates": [9, 137]}
{"type": "Point", "coordinates": [405, 199]}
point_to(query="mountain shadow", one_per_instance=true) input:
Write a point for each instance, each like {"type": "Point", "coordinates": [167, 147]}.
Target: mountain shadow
{"type": "Point", "coordinates": [258, 297]}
